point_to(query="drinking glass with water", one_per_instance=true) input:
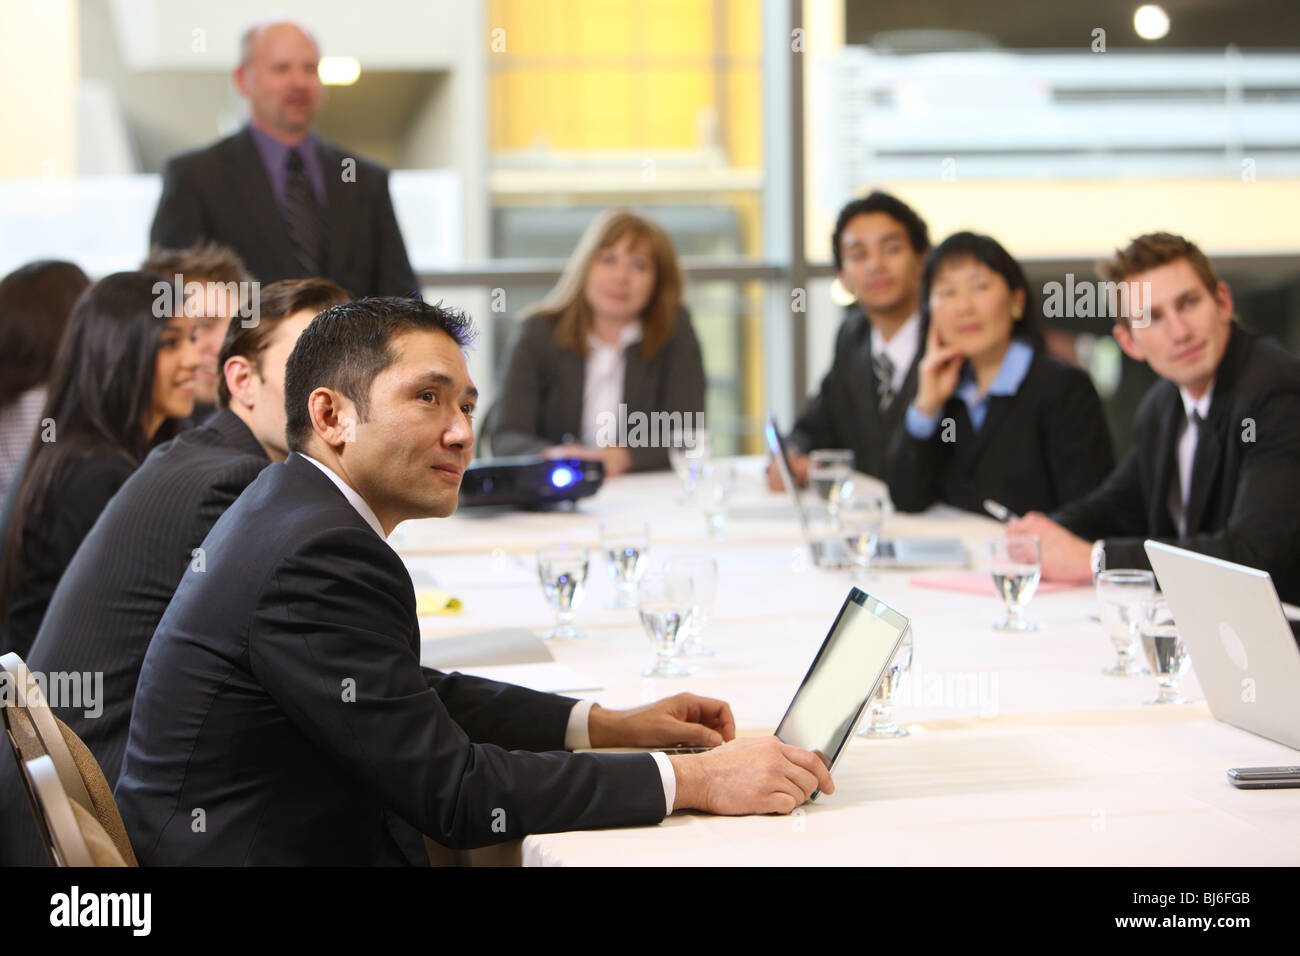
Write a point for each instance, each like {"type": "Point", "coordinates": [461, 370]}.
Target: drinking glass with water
{"type": "Point", "coordinates": [830, 470]}
{"type": "Point", "coordinates": [1163, 648]}
{"type": "Point", "coordinates": [703, 573]}
{"type": "Point", "coordinates": [625, 544]}
{"type": "Point", "coordinates": [1016, 563]}
{"type": "Point", "coordinates": [1120, 592]}
{"type": "Point", "coordinates": [664, 601]}
{"type": "Point", "coordinates": [562, 570]}
{"type": "Point", "coordinates": [886, 696]}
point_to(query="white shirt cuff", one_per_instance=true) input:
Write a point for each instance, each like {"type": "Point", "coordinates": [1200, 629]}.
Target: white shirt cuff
{"type": "Point", "coordinates": [576, 734]}
{"type": "Point", "coordinates": [669, 777]}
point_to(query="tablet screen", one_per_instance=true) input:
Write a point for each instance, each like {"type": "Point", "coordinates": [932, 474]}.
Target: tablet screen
{"type": "Point", "coordinates": [843, 676]}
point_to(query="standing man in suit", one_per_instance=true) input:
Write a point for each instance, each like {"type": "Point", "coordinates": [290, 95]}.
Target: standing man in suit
{"type": "Point", "coordinates": [282, 702]}
{"type": "Point", "coordinates": [289, 203]}
{"type": "Point", "coordinates": [110, 599]}
{"type": "Point", "coordinates": [879, 245]}
{"type": "Point", "coordinates": [1215, 462]}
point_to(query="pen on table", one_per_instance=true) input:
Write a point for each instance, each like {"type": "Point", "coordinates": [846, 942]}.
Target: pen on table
{"type": "Point", "coordinates": [1001, 512]}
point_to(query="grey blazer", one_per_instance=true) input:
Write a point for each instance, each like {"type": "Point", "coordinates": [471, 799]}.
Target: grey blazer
{"type": "Point", "coordinates": [540, 403]}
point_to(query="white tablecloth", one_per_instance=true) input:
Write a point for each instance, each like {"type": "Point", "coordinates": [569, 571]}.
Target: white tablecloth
{"type": "Point", "coordinates": [1021, 752]}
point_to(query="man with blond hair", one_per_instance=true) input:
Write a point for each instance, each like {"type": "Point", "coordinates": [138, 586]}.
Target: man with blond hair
{"type": "Point", "coordinates": [1215, 462]}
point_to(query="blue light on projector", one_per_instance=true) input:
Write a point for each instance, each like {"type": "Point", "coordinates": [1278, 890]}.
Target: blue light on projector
{"type": "Point", "coordinates": [563, 477]}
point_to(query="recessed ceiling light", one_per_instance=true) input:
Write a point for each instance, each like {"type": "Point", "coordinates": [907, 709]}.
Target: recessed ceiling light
{"type": "Point", "coordinates": [1151, 22]}
{"type": "Point", "coordinates": [338, 70]}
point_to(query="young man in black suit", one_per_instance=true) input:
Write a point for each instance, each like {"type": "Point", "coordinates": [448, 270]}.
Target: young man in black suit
{"type": "Point", "coordinates": [879, 245]}
{"type": "Point", "coordinates": [115, 590]}
{"type": "Point", "coordinates": [282, 702]}
{"type": "Point", "coordinates": [290, 204]}
{"type": "Point", "coordinates": [1215, 462]}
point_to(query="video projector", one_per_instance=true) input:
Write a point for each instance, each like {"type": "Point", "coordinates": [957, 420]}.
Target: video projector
{"type": "Point", "coordinates": [529, 481]}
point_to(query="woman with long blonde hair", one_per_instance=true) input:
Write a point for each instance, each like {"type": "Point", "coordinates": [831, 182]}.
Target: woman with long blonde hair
{"type": "Point", "coordinates": [607, 359]}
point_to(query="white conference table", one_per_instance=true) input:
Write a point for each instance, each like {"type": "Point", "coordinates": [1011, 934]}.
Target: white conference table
{"type": "Point", "coordinates": [1021, 752]}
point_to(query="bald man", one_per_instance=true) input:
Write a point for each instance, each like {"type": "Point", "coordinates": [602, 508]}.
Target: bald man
{"type": "Point", "coordinates": [291, 205]}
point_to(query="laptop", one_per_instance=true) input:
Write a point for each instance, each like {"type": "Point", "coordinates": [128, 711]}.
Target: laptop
{"type": "Point", "coordinates": [890, 552]}
{"type": "Point", "coordinates": [1232, 624]}
{"type": "Point", "coordinates": [842, 679]}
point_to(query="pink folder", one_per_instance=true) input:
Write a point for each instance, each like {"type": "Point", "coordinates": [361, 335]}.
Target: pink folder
{"type": "Point", "coordinates": [976, 582]}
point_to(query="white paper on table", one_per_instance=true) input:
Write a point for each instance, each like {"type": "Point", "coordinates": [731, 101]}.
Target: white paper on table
{"type": "Point", "coordinates": [550, 677]}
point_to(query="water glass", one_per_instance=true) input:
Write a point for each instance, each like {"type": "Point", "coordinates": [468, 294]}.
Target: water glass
{"type": "Point", "coordinates": [688, 451]}
{"type": "Point", "coordinates": [562, 570]}
{"type": "Point", "coordinates": [703, 573]}
{"type": "Point", "coordinates": [1120, 592]}
{"type": "Point", "coordinates": [664, 601]}
{"type": "Point", "coordinates": [1016, 563]}
{"type": "Point", "coordinates": [1163, 648]}
{"type": "Point", "coordinates": [624, 543]}
{"type": "Point", "coordinates": [861, 518]}
{"type": "Point", "coordinates": [885, 698]}
{"type": "Point", "coordinates": [713, 488]}
{"type": "Point", "coordinates": [831, 472]}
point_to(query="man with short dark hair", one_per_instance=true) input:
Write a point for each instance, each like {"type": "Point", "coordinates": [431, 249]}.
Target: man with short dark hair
{"type": "Point", "coordinates": [1215, 462]}
{"type": "Point", "coordinates": [115, 590]}
{"type": "Point", "coordinates": [282, 695]}
{"type": "Point", "coordinates": [289, 203]}
{"type": "Point", "coordinates": [879, 245]}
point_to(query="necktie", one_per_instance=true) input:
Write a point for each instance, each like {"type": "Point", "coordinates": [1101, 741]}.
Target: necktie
{"type": "Point", "coordinates": [883, 368]}
{"type": "Point", "coordinates": [303, 216]}
{"type": "Point", "coordinates": [1181, 493]}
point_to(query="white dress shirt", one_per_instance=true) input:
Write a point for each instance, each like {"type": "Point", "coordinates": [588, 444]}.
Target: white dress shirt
{"type": "Point", "coordinates": [1187, 456]}
{"type": "Point", "coordinates": [901, 349]}
{"type": "Point", "coordinates": [602, 386]}
{"type": "Point", "coordinates": [576, 732]}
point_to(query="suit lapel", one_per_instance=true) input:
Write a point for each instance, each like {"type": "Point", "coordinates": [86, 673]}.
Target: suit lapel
{"type": "Point", "coordinates": [340, 208]}
{"type": "Point", "coordinates": [868, 396]}
{"type": "Point", "coordinates": [250, 178]}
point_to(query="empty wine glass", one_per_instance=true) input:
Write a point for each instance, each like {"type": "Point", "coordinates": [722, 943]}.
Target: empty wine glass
{"type": "Point", "coordinates": [664, 601]}
{"type": "Point", "coordinates": [562, 570]}
{"type": "Point", "coordinates": [861, 517]}
{"type": "Point", "coordinates": [713, 488]}
{"type": "Point", "coordinates": [1016, 563]}
{"type": "Point", "coordinates": [831, 472]}
{"type": "Point", "coordinates": [688, 450]}
{"type": "Point", "coordinates": [1163, 648]}
{"type": "Point", "coordinates": [1120, 593]}
{"type": "Point", "coordinates": [703, 573]}
{"type": "Point", "coordinates": [625, 542]}
{"type": "Point", "coordinates": [884, 699]}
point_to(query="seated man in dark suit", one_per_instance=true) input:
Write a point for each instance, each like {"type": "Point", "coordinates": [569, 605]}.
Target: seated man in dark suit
{"type": "Point", "coordinates": [282, 715]}
{"type": "Point", "coordinates": [291, 205]}
{"type": "Point", "coordinates": [1215, 462]}
{"type": "Point", "coordinates": [115, 590]}
{"type": "Point", "coordinates": [879, 245]}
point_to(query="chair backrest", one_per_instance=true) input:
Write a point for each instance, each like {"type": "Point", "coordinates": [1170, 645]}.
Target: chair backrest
{"type": "Point", "coordinates": [76, 838]}
{"type": "Point", "coordinates": [34, 731]}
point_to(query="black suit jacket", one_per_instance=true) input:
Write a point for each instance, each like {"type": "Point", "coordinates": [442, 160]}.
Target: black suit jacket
{"type": "Point", "coordinates": [1245, 496]}
{"type": "Point", "coordinates": [541, 391]}
{"type": "Point", "coordinates": [222, 192]}
{"type": "Point", "coordinates": [116, 588]}
{"type": "Point", "coordinates": [1044, 446]}
{"type": "Point", "coordinates": [845, 412]}
{"type": "Point", "coordinates": [282, 696]}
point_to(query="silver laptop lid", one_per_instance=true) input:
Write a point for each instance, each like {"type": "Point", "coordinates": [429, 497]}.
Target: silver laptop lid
{"type": "Point", "coordinates": [843, 677]}
{"type": "Point", "coordinates": [1231, 621]}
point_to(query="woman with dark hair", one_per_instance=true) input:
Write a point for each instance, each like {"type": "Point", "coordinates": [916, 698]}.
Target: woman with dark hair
{"type": "Point", "coordinates": [610, 347]}
{"type": "Point", "coordinates": [122, 379]}
{"type": "Point", "coordinates": [995, 416]}
{"type": "Point", "coordinates": [35, 301]}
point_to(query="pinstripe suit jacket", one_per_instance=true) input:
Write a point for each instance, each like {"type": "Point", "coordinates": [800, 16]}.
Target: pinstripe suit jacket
{"type": "Point", "coordinates": [113, 594]}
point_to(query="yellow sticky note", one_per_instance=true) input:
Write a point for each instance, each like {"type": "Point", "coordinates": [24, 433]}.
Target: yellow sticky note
{"type": "Point", "coordinates": [430, 602]}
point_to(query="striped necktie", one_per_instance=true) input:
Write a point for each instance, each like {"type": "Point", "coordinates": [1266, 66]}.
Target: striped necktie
{"type": "Point", "coordinates": [303, 216]}
{"type": "Point", "coordinates": [883, 368]}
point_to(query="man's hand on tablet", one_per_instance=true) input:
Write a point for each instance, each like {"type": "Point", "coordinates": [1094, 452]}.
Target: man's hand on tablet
{"type": "Point", "coordinates": [749, 775]}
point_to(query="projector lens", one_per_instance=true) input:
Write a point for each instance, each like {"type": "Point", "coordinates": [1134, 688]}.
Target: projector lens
{"type": "Point", "coordinates": [562, 477]}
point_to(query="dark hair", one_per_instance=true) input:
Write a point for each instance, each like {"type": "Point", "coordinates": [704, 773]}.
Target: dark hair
{"type": "Point", "coordinates": [917, 231]}
{"type": "Point", "coordinates": [100, 393]}
{"type": "Point", "coordinates": [35, 302]}
{"type": "Point", "coordinates": [989, 252]}
{"type": "Point", "coordinates": [275, 303]}
{"type": "Point", "coordinates": [347, 346]}
{"type": "Point", "coordinates": [203, 260]}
